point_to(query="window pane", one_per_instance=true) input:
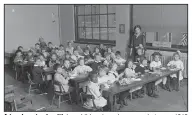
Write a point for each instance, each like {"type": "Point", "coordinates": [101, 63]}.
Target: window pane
{"type": "Point", "coordinates": [80, 21]}
{"type": "Point", "coordinates": [95, 9]}
{"type": "Point", "coordinates": [104, 34]}
{"type": "Point", "coordinates": [81, 9]}
{"type": "Point", "coordinates": [81, 32]}
{"type": "Point", "coordinates": [88, 33]}
{"type": "Point", "coordinates": [103, 20]}
{"type": "Point", "coordinates": [103, 9]}
{"type": "Point", "coordinates": [95, 33]}
{"type": "Point", "coordinates": [87, 9]}
{"type": "Point", "coordinates": [111, 8]}
{"type": "Point", "coordinates": [111, 20]}
{"type": "Point", "coordinates": [112, 32]}
{"type": "Point", "coordinates": [88, 21]}
{"type": "Point", "coordinates": [95, 20]}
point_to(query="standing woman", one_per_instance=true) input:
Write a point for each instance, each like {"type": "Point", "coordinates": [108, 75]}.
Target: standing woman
{"type": "Point", "coordinates": [138, 40]}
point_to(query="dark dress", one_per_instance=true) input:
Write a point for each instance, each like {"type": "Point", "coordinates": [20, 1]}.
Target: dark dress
{"type": "Point", "coordinates": [135, 41]}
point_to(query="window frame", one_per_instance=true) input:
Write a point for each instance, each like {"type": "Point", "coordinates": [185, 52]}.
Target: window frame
{"type": "Point", "coordinates": [93, 41]}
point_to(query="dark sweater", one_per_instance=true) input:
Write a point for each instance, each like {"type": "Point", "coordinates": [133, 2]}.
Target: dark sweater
{"type": "Point", "coordinates": [141, 69]}
{"type": "Point", "coordinates": [95, 65]}
{"type": "Point", "coordinates": [37, 74]}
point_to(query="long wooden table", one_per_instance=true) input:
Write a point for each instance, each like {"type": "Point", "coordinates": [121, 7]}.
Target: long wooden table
{"type": "Point", "coordinates": [115, 89]}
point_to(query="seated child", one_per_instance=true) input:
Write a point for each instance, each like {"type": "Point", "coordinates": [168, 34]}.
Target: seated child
{"type": "Point", "coordinates": [42, 43]}
{"type": "Point", "coordinates": [42, 59]}
{"type": "Point", "coordinates": [45, 53]}
{"type": "Point", "coordinates": [61, 52]}
{"type": "Point", "coordinates": [107, 60]}
{"type": "Point", "coordinates": [76, 56]}
{"type": "Point", "coordinates": [68, 57]}
{"type": "Point", "coordinates": [109, 51]}
{"type": "Point", "coordinates": [130, 73]}
{"type": "Point", "coordinates": [66, 66]}
{"type": "Point", "coordinates": [143, 67]}
{"type": "Point", "coordinates": [18, 57]}
{"type": "Point", "coordinates": [96, 51]}
{"type": "Point", "coordinates": [119, 60]}
{"type": "Point", "coordinates": [176, 63]}
{"type": "Point", "coordinates": [61, 77]}
{"type": "Point", "coordinates": [29, 56]}
{"type": "Point", "coordinates": [155, 66]}
{"type": "Point", "coordinates": [88, 47]}
{"type": "Point", "coordinates": [53, 60]}
{"type": "Point", "coordinates": [102, 50]}
{"type": "Point", "coordinates": [86, 54]}
{"type": "Point", "coordinates": [37, 50]}
{"type": "Point", "coordinates": [70, 47]}
{"type": "Point", "coordinates": [103, 78]}
{"type": "Point", "coordinates": [37, 74]}
{"type": "Point", "coordinates": [50, 47]}
{"type": "Point", "coordinates": [81, 68]}
{"type": "Point", "coordinates": [95, 65]}
{"type": "Point", "coordinates": [94, 89]}
{"type": "Point", "coordinates": [113, 72]}
{"type": "Point", "coordinates": [20, 48]}
{"type": "Point", "coordinates": [140, 55]}
{"type": "Point", "coordinates": [80, 51]}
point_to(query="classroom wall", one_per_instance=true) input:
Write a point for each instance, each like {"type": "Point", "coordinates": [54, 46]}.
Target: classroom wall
{"type": "Point", "coordinates": [24, 24]}
{"type": "Point", "coordinates": [162, 18]}
{"type": "Point", "coordinates": [68, 27]}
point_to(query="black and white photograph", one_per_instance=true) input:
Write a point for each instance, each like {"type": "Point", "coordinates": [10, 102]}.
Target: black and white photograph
{"type": "Point", "coordinates": [95, 58]}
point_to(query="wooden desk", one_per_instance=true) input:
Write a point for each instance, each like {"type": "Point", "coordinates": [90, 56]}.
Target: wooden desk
{"type": "Point", "coordinates": [110, 93]}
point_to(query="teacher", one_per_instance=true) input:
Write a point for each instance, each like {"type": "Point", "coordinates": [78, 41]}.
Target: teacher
{"type": "Point", "coordinates": [137, 40]}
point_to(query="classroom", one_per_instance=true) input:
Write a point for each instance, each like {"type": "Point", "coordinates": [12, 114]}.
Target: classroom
{"type": "Point", "coordinates": [96, 57]}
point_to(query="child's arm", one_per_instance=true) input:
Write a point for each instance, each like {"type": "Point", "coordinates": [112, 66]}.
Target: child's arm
{"type": "Point", "coordinates": [88, 69]}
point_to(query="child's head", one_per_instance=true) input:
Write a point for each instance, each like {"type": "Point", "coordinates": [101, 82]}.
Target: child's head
{"type": "Point", "coordinates": [20, 48]}
{"type": "Point", "coordinates": [37, 46]}
{"type": "Point", "coordinates": [102, 71]}
{"type": "Point", "coordinates": [108, 56]}
{"type": "Point", "coordinates": [139, 51]}
{"type": "Point", "coordinates": [69, 44]}
{"type": "Point", "coordinates": [88, 46]}
{"type": "Point", "coordinates": [41, 57]}
{"type": "Point", "coordinates": [156, 56]}
{"type": "Point", "coordinates": [118, 54]}
{"type": "Point", "coordinates": [30, 53]}
{"type": "Point", "coordinates": [81, 61]}
{"type": "Point", "coordinates": [93, 78]}
{"type": "Point", "coordinates": [144, 62]}
{"type": "Point", "coordinates": [43, 50]}
{"type": "Point", "coordinates": [101, 46]}
{"type": "Point", "coordinates": [67, 55]}
{"type": "Point", "coordinates": [113, 66]}
{"type": "Point", "coordinates": [96, 50]}
{"type": "Point", "coordinates": [54, 56]}
{"type": "Point", "coordinates": [76, 53]}
{"type": "Point", "coordinates": [78, 47]}
{"type": "Point", "coordinates": [61, 47]}
{"type": "Point", "coordinates": [41, 39]}
{"type": "Point", "coordinates": [56, 50]}
{"type": "Point", "coordinates": [18, 52]}
{"type": "Point", "coordinates": [58, 68]}
{"type": "Point", "coordinates": [97, 57]}
{"type": "Point", "coordinates": [38, 62]}
{"type": "Point", "coordinates": [176, 56]}
{"type": "Point", "coordinates": [137, 29]}
{"type": "Point", "coordinates": [109, 50]}
{"type": "Point", "coordinates": [86, 50]}
{"type": "Point", "coordinates": [50, 45]}
{"type": "Point", "coordinates": [129, 63]}
{"type": "Point", "coordinates": [66, 63]}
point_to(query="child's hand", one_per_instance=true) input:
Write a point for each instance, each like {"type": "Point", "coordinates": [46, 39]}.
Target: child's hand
{"type": "Point", "coordinates": [140, 45]}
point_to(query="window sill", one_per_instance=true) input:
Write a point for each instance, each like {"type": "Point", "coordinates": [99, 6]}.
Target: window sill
{"type": "Point", "coordinates": [95, 42]}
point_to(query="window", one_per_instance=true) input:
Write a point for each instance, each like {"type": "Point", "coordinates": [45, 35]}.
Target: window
{"type": "Point", "coordinates": [95, 24]}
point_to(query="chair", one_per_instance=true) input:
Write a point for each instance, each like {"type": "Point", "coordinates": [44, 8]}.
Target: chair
{"type": "Point", "coordinates": [32, 85]}
{"type": "Point", "coordinates": [60, 93]}
{"type": "Point", "coordinates": [84, 95]}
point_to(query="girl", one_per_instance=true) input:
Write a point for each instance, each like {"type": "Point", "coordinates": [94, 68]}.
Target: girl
{"type": "Point", "coordinates": [53, 60]}
{"type": "Point", "coordinates": [97, 63]}
{"type": "Point", "coordinates": [86, 54]}
{"type": "Point", "coordinates": [113, 72]}
{"type": "Point", "coordinates": [42, 59]}
{"type": "Point", "coordinates": [42, 43]}
{"type": "Point", "coordinates": [66, 66]}
{"type": "Point", "coordinates": [76, 56]}
{"type": "Point", "coordinates": [69, 48]}
{"type": "Point", "coordinates": [45, 53]}
{"type": "Point", "coordinates": [18, 57]}
{"type": "Point", "coordinates": [20, 48]}
{"type": "Point", "coordinates": [108, 60]}
{"type": "Point", "coordinates": [109, 51]}
{"type": "Point", "coordinates": [78, 48]}
{"type": "Point", "coordinates": [139, 55]}
{"type": "Point", "coordinates": [81, 68]}
{"type": "Point", "coordinates": [176, 64]}
{"type": "Point", "coordinates": [102, 50]}
{"type": "Point", "coordinates": [50, 47]}
{"type": "Point", "coordinates": [155, 66]}
{"type": "Point", "coordinates": [118, 59]}
{"type": "Point", "coordinates": [61, 52]}
{"type": "Point", "coordinates": [96, 51]}
{"type": "Point", "coordinates": [94, 89]}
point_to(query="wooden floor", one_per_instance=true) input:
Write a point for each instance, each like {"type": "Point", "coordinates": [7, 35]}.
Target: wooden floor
{"type": "Point", "coordinates": [168, 101]}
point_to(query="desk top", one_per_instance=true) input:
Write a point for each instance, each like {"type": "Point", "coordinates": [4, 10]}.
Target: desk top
{"type": "Point", "coordinates": [148, 77]}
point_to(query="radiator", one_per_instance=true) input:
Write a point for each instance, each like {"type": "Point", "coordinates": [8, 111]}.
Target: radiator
{"type": "Point", "coordinates": [165, 60]}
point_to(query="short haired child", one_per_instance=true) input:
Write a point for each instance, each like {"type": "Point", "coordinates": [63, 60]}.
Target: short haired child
{"type": "Point", "coordinates": [139, 55]}
{"type": "Point", "coordinates": [53, 60]}
{"type": "Point", "coordinates": [50, 47]}
{"type": "Point", "coordinates": [29, 56]}
{"type": "Point", "coordinates": [69, 47]}
{"type": "Point", "coordinates": [97, 62]}
{"type": "Point", "coordinates": [119, 60]}
{"type": "Point", "coordinates": [18, 57]}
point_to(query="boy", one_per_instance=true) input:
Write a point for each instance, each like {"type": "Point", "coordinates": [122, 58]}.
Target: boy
{"type": "Point", "coordinates": [69, 47]}
{"type": "Point", "coordinates": [143, 67]}
{"type": "Point", "coordinates": [42, 43]}
{"type": "Point", "coordinates": [37, 73]}
{"type": "Point", "coordinates": [76, 56]}
{"type": "Point", "coordinates": [53, 60]}
{"type": "Point", "coordinates": [66, 66]}
{"type": "Point", "coordinates": [95, 65]}
{"type": "Point", "coordinates": [45, 53]}
{"type": "Point", "coordinates": [86, 55]}
{"type": "Point", "coordinates": [29, 56]}
{"type": "Point", "coordinates": [94, 89]}
{"type": "Point", "coordinates": [119, 60]}
{"type": "Point", "coordinates": [139, 55]}
{"type": "Point", "coordinates": [37, 49]}
{"type": "Point", "coordinates": [102, 50]}
{"type": "Point", "coordinates": [113, 72]}
{"type": "Point", "coordinates": [18, 57]}
{"type": "Point", "coordinates": [107, 60]}
{"type": "Point", "coordinates": [50, 47]}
